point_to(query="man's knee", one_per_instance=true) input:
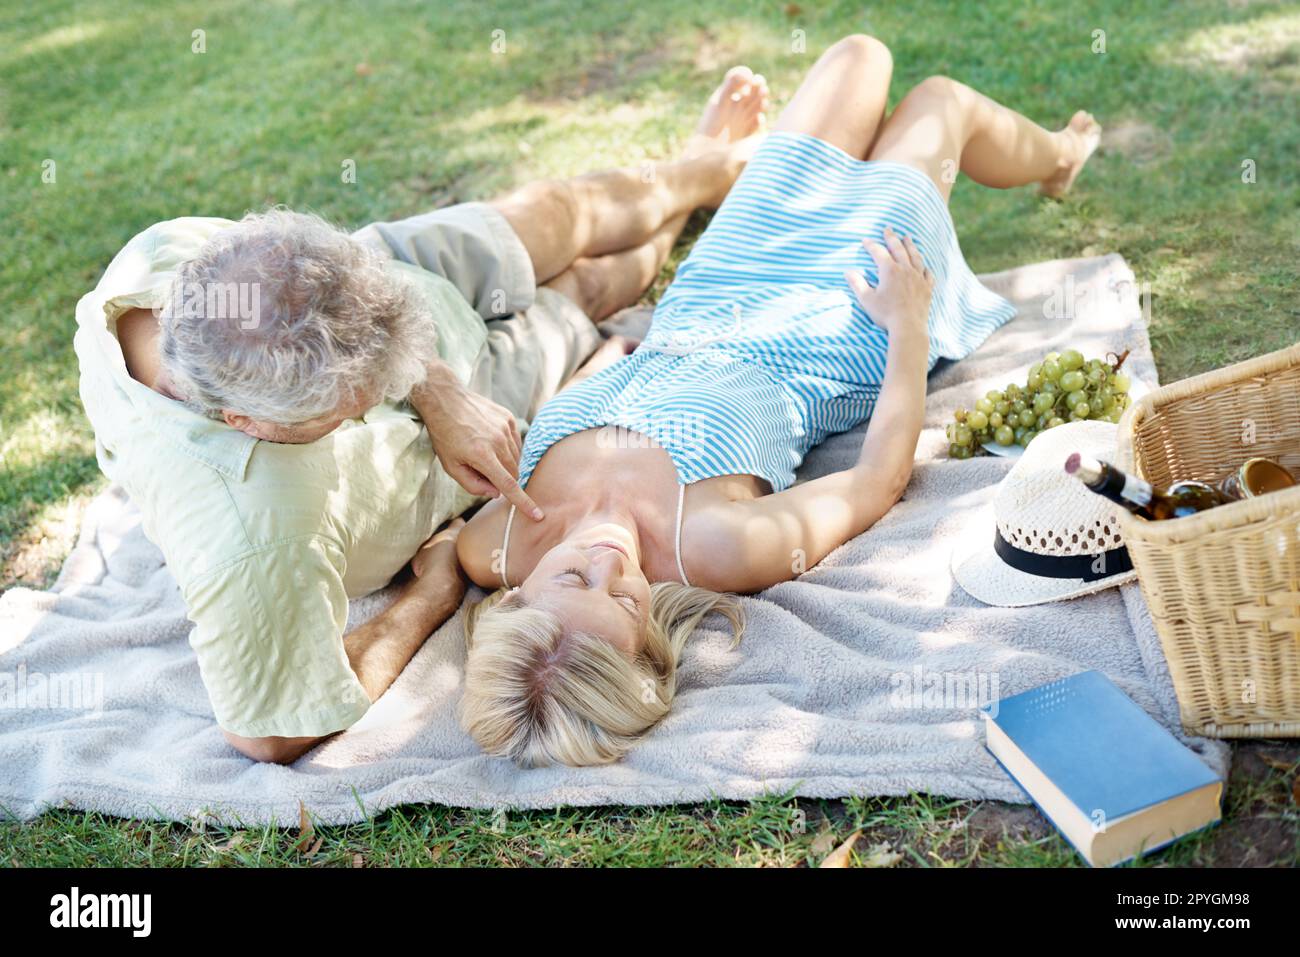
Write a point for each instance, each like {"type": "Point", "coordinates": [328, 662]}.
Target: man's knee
{"type": "Point", "coordinates": [593, 286]}
{"type": "Point", "coordinates": [862, 48]}
{"type": "Point", "coordinates": [586, 283]}
{"type": "Point", "coordinates": [553, 201]}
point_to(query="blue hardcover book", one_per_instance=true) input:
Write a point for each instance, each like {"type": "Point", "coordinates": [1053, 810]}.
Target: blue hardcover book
{"type": "Point", "coordinates": [1110, 778]}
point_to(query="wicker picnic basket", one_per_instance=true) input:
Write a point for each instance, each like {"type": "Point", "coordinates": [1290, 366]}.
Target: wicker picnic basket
{"type": "Point", "coordinates": [1223, 586]}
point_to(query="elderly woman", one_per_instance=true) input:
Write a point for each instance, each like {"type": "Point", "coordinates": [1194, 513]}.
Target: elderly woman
{"type": "Point", "coordinates": [823, 290]}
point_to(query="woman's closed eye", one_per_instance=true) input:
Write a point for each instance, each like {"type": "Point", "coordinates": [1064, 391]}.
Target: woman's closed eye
{"type": "Point", "coordinates": [629, 601]}
{"type": "Point", "coordinates": [578, 575]}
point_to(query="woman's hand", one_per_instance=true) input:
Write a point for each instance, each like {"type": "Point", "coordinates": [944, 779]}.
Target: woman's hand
{"type": "Point", "coordinates": [616, 347]}
{"type": "Point", "coordinates": [900, 301]}
{"type": "Point", "coordinates": [609, 352]}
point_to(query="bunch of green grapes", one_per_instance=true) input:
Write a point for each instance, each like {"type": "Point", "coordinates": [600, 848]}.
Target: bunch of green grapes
{"type": "Point", "coordinates": [1064, 387]}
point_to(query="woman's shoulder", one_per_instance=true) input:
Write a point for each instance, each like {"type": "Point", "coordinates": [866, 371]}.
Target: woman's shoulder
{"type": "Point", "coordinates": [718, 535]}
{"type": "Point", "coordinates": [479, 543]}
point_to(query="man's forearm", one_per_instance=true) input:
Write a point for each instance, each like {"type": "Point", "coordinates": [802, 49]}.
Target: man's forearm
{"type": "Point", "coordinates": [429, 398]}
{"type": "Point", "coordinates": [381, 648]}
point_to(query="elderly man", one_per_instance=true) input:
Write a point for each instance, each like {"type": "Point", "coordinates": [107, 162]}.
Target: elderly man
{"type": "Point", "coordinates": [297, 411]}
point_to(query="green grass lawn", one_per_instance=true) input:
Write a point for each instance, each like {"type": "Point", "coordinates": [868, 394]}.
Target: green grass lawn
{"type": "Point", "coordinates": [140, 128]}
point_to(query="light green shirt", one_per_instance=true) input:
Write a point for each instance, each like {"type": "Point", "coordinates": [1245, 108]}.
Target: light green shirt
{"type": "Point", "coordinates": [267, 541]}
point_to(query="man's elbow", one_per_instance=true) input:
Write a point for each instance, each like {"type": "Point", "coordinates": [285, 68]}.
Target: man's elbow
{"type": "Point", "coordinates": [270, 750]}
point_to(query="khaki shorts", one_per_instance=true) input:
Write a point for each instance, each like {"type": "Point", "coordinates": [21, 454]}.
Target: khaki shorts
{"type": "Point", "coordinates": [537, 338]}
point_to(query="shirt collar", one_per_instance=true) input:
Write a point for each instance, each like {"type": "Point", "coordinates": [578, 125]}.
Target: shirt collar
{"type": "Point", "coordinates": [209, 441]}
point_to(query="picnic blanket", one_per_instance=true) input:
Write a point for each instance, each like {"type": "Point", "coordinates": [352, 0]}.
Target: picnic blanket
{"type": "Point", "coordinates": [861, 677]}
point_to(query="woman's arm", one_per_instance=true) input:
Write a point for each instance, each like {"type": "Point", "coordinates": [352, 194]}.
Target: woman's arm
{"type": "Point", "coordinates": [777, 537]}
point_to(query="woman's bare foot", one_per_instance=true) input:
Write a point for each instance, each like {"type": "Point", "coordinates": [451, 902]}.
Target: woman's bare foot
{"type": "Point", "coordinates": [1078, 141]}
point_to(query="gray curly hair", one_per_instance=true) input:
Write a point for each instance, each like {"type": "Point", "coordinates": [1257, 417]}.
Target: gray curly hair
{"type": "Point", "coordinates": [325, 322]}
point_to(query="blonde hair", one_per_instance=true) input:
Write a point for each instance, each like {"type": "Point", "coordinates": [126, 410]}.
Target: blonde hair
{"type": "Point", "coordinates": [542, 695]}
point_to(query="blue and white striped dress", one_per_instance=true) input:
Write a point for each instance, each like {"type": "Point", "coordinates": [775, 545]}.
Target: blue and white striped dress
{"type": "Point", "coordinates": [759, 350]}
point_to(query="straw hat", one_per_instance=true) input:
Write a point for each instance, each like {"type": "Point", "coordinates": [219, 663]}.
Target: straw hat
{"type": "Point", "coordinates": [1049, 536]}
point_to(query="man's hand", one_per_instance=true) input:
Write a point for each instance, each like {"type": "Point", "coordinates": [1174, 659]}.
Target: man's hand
{"type": "Point", "coordinates": [437, 556]}
{"type": "Point", "coordinates": [438, 578]}
{"type": "Point", "coordinates": [476, 440]}
{"type": "Point", "coordinates": [900, 301]}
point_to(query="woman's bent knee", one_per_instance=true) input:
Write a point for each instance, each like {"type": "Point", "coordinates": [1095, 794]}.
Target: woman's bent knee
{"type": "Point", "coordinates": [939, 88]}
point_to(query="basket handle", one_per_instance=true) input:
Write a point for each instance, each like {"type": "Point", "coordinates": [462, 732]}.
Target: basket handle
{"type": "Point", "coordinates": [1194, 387]}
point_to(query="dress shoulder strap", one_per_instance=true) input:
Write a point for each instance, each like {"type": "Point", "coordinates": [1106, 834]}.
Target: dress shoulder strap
{"type": "Point", "coordinates": [505, 547]}
{"type": "Point", "coordinates": [681, 500]}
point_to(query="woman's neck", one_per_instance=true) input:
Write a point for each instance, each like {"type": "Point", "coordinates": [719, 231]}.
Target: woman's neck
{"type": "Point", "coordinates": [592, 488]}
{"type": "Point", "coordinates": [607, 515]}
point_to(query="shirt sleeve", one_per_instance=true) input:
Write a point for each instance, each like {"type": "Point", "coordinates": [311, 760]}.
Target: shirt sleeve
{"type": "Point", "coordinates": [269, 639]}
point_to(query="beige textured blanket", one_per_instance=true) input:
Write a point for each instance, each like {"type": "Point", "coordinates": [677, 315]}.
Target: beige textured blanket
{"type": "Point", "coordinates": [817, 700]}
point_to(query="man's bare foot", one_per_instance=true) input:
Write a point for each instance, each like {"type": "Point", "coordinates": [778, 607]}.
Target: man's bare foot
{"type": "Point", "coordinates": [735, 112]}
{"type": "Point", "coordinates": [1078, 141]}
{"type": "Point", "coordinates": [733, 124]}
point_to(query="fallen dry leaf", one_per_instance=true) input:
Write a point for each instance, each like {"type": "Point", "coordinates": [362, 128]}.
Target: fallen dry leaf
{"type": "Point", "coordinates": [881, 855]}
{"type": "Point", "coordinates": [823, 843]}
{"type": "Point", "coordinates": [436, 852]}
{"type": "Point", "coordinates": [306, 830]}
{"type": "Point", "coordinates": [364, 69]}
{"type": "Point", "coordinates": [235, 841]}
{"type": "Point", "coordinates": [358, 860]}
{"type": "Point", "coordinates": [841, 855]}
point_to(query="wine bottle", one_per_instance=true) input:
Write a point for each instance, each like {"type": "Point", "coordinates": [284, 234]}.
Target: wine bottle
{"type": "Point", "coordinates": [1140, 497]}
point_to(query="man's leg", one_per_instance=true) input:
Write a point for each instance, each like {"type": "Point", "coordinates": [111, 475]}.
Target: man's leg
{"type": "Point", "coordinates": [942, 126]}
{"type": "Point", "coordinates": [602, 285]}
{"type": "Point", "coordinates": [560, 222]}
{"type": "Point", "coordinates": [531, 355]}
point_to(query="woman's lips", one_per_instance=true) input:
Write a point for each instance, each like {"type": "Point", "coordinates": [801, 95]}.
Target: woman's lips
{"type": "Point", "coordinates": [614, 545]}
